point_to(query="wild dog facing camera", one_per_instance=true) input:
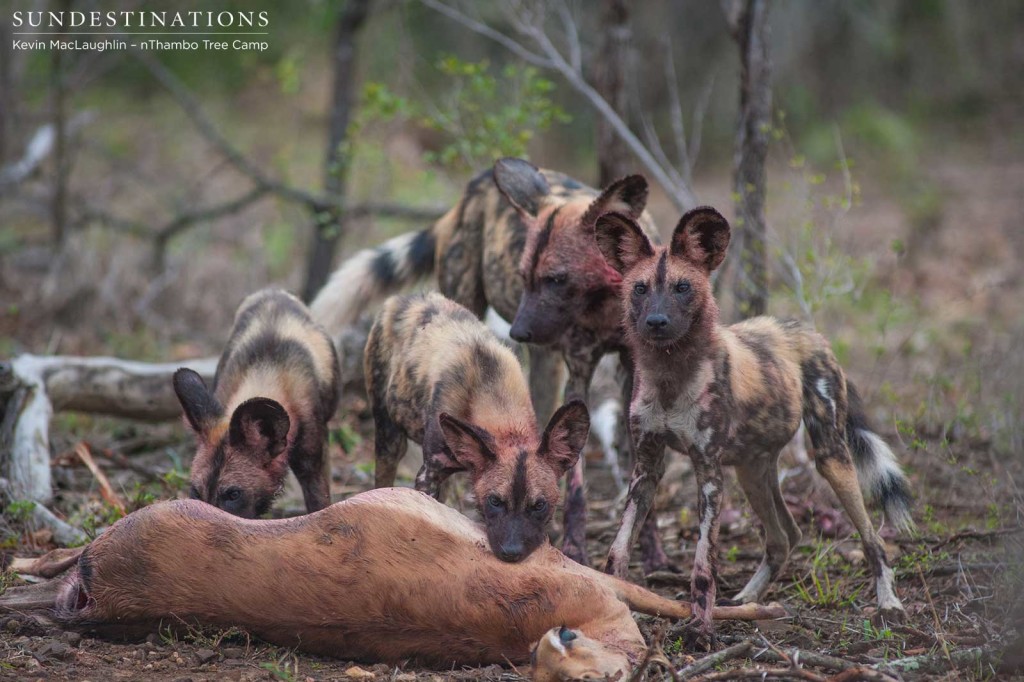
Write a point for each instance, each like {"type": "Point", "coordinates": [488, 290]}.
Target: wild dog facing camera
{"type": "Point", "coordinates": [516, 488]}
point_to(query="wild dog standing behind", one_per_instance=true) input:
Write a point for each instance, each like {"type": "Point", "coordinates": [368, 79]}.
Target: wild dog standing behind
{"type": "Point", "coordinates": [275, 388]}
{"type": "Point", "coordinates": [436, 374]}
{"type": "Point", "coordinates": [520, 240]}
{"type": "Point", "coordinates": [736, 395]}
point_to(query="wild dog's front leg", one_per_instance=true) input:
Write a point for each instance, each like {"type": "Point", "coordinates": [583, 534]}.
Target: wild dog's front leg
{"type": "Point", "coordinates": [581, 359]}
{"type": "Point", "coordinates": [649, 451]}
{"type": "Point", "coordinates": [545, 382]}
{"type": "Point", "coordinates": [312, 467]}
{"type": "Point", "coordinates": [438, 465]}
{"type": "Point", "coordinates": [703, 589]}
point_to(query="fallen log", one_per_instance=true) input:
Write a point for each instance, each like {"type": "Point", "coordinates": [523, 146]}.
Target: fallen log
{"type": "Point", "coordinates": [36, 385]}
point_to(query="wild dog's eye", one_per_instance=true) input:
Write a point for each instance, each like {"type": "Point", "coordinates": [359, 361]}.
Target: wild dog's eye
{"type": "Point", "coordinates": [639, 288]}
{"type": "Point", "coordinates": [540, 506]}
{"type": "Point", "coordinates": [559, 278]}
{"type": "Point", "coordinates": [231, 495]}
{"type": "Point", "coordinates": [494, 501]}
{"type": "Point", "coordinates": [683, 286]}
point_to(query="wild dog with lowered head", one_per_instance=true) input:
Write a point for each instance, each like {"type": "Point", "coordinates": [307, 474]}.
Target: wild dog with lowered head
{"type": "Point", "coordinates": [386, 576]}
{"type": "Point", "coordinates": [436, 374]}
{"type": "Point", "coordinates": [275, 388]}
{"type": "Point", "coordinates": [736, 395]}
{"type": "Point", "coordinates": [521, 241]}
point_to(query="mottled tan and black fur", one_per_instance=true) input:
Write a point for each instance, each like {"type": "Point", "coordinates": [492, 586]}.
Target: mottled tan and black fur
{"type": "Point", "coordinates": [275, 388]}
{"type": "Point", "coordinates": [736, 395]}
{"type": "Point", "coordinates": [520, 240]}
{"type": "Point", "coordinates": [436, 374]}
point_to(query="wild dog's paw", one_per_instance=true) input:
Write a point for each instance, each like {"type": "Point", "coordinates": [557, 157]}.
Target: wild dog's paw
{"type": "Point", "coordinates": [890, 615]}
{"type": "Point", "coordinates": [698, 635]}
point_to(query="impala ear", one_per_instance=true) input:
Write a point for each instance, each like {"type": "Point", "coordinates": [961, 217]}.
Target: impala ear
{"type": "Point", "coordinates": [701, 237]}
{"type": "Point", "coordinates": [621, 241]}
{"type": "Point", "coordinates": [522, 184]}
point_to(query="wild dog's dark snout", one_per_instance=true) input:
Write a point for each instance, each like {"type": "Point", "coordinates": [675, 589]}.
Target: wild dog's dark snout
{"type": "Point", "coordinates": [657, 321]}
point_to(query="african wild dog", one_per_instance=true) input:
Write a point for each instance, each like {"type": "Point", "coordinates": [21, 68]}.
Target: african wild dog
{"type": "Point", "coordinates": [385, 576]}
{"type": "Point", "coordinates": [735, 395]}
{"type": "Point", "coordinates": [275, 388]}
{"type": "Point", "coordinates": [520, 240]}
{"type": "Point", "coordinates": [436, 374]}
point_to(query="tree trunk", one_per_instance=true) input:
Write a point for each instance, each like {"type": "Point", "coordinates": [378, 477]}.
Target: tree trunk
{"type": "Point", "coordinates": [7, 96]}
{"type": "Point", "coordinates": [748, 22]}
{"type": "Point", "coordinates": [59, 206]}
{"type": "Point", "coordinates": [613, 158]}
{"type": "Point", "coordinates": [328, 222]}
{"type": "Point", "coordinates": [34, 386]}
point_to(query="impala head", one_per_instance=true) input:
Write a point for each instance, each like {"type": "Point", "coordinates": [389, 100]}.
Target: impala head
{"type": "Point", "coordinates": [567, 654]}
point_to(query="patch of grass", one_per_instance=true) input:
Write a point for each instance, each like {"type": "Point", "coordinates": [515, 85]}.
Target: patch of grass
{"type": "Point", "coordinates": [285, 667]}
{"type": "Point", "coordinates": [346, 437]}
{"type": "Point", "coordinates": [819, 588]}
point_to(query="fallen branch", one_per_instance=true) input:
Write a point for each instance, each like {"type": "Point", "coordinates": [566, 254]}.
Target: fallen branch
{"type": "Point", "coordinates": [971, 534]}
{"type": "Point", "coordinates": [39, 385]}
{"type": "Point", "coordinates": [740, 650]}
{"type": "Point", "coordinates": [106, 490]}
{"type": "Point", "coordinates": [40, 146]}
{"type": "Point", "coordinates": [64, 534]}
{"type": "Point", "coordinates": [938, 663]}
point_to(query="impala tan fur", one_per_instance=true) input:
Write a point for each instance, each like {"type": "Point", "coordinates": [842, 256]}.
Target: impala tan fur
{"type": "Point", "coordinates": [389, 576]}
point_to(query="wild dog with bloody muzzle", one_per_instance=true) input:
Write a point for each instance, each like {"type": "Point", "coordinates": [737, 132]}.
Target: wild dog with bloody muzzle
{"type": "Point", "coordinates": [736, 395]}
{"type": "Point", "coordinates": [521, 241]}
{"type": "Point", "coordinates": [388, 576]}
{"type": "Point", "coordinates": [436, 374]}
{"type": "Point", "coordinates": [275, 388]}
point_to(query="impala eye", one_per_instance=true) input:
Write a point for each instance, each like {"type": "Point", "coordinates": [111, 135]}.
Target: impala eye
{"type": "Point", "coordinates": [565, 635]}
{"type": "Point", "coordinates": [639, 288]}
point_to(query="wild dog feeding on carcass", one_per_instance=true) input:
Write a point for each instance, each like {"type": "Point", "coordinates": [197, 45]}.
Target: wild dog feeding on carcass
{"type": "Point", "coordinates": [389, 576]}
{"type": "Point", "coordinates": [735, 395]}
{"type": "Point", "coordinates": [275, 388]}
{"type": "Point", "coordinates": [436, 374]}
{"type": "Point", "coordinates": [520, 240]}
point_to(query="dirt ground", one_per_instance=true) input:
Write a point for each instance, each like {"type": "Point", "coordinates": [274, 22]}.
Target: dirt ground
{"type": "Point", "coordinates": [960, 576]}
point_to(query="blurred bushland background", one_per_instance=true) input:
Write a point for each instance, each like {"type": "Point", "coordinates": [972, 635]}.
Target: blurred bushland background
{"type": "Point", "coordinates": [178, 181]}
{"type": "Point", "coordinates": [869, 153]}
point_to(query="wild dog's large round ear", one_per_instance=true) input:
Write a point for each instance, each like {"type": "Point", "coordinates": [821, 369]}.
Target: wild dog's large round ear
{"type": "Point", "coordinates": [565, 436]}
{"type": "Point", "coordinates": [626, 195]}
{"type": "Point", "coordinates": [522, 184]}
{"type": "Point", "coordinates": [701, 237]}
{"type": "Point", "coordinates": [468, 445]}
{"type": "Point", "coordinates": [259, 428]}
{"type": "Point", "coordinates": [202, 410]}
{"type": "Point", "coordinates": [621, 241]}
